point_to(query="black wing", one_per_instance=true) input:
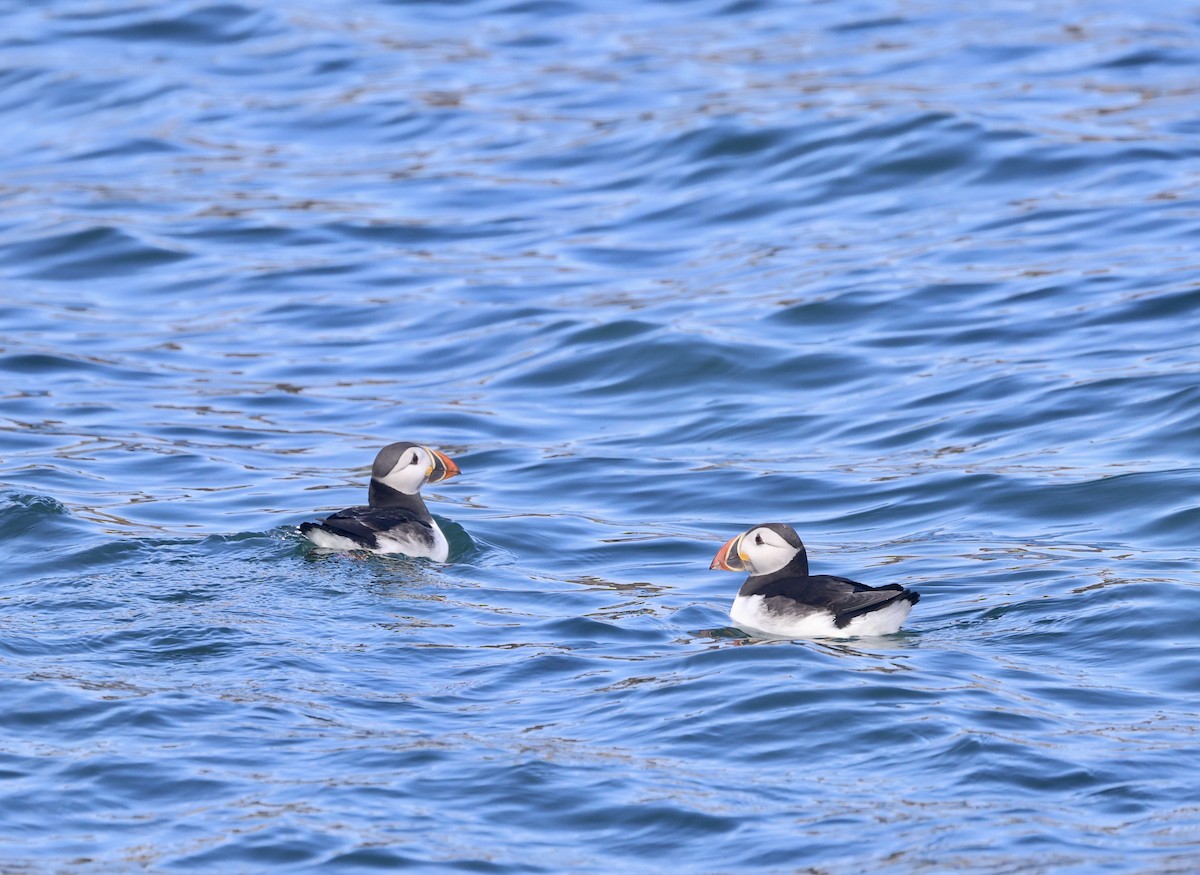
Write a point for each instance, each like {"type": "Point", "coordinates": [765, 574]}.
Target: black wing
{"type": "Point", "coordinates": [846, 599]}
{"type": "Point", "coordinates": [360, 524]}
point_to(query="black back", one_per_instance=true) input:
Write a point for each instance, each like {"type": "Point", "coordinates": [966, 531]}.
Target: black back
{"type": "Point", "coordinates": [360, 524]}
{"type": "Point", "coordinates": [793, 590]}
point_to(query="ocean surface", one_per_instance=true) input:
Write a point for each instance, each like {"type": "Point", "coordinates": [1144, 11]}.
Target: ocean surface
{"type": "Point", "coordinates": [921, 279]}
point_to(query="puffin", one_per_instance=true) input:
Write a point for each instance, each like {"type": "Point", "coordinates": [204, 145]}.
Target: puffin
{"type": "Point", "coordinates": [781, 599]}
{"type": "Point", "coordinates": [395, 519]}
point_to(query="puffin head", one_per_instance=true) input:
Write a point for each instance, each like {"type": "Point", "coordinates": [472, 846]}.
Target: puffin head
{"type": "Point", "coordinates": [764, 549]}
{"type": "Point", "coordinates": [406, 467]}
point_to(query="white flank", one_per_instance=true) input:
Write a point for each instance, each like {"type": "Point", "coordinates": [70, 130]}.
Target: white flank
{"type": "Point", "coordinates": [395, 541]}
{"type": "Point", "coordinates": [749, 613]}
{"type": "Point", "coordinates": [328, 541]}
{"type": "Point", "coordinates": [400, 541]}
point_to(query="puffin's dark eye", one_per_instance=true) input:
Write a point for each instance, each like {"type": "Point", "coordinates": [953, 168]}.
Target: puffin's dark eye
{"type": "Point", "coordinates": [758, 540]}
{"type": "Point", "coordinates": [415, 460]}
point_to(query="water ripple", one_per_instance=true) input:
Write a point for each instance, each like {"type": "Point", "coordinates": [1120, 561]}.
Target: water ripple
{"type": "Point", "coordinates": [918, 281]}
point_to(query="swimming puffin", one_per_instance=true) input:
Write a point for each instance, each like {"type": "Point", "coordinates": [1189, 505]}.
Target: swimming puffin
{"type": "Point", "coordinates": [395, 519]}
{"type": "Point", "coordinates": [781, 598]}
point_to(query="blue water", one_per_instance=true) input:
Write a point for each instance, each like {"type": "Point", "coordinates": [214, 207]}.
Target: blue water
{"type": "Point", "coordinates": [920, 280]}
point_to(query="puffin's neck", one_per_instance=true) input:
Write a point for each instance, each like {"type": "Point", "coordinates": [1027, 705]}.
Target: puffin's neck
{"type": "Point", "coordinates": [798, 567]}
{"type": "Point", "coordinates": [379, 494]}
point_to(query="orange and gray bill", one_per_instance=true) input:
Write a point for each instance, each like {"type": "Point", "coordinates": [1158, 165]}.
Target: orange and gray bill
{"type": "Point", "coordinates": [443, 467]}
{"type": "Point", "coordinates": [727, 558]}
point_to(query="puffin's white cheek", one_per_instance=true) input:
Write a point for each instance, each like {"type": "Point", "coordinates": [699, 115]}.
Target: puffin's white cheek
{"type": "Point", "coordinates": [767, 560]}
{"type": "Point", "coordinates": [407, 479]}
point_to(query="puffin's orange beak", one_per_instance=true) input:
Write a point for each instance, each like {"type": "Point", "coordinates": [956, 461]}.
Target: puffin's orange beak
{"type": "Point", "coordinates": [443, 467]}
{"type": "Point", "coordinates": [727, 558]}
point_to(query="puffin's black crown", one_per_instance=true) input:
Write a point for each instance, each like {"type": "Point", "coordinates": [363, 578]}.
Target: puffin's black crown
{"type": "Point", "coordinates": [388, 457]}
